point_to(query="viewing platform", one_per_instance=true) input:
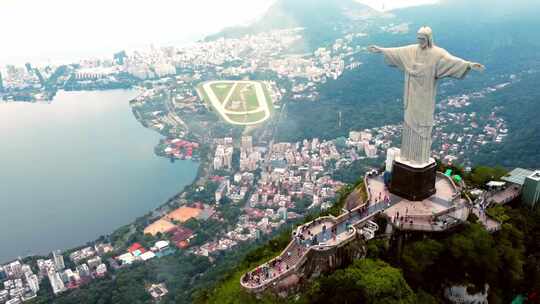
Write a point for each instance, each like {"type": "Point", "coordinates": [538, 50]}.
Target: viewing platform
{"type": "Point", "coordinates": [320, 239]}
{"type": "Point", "coordinates": [504, 196]}
{"type": "Point", "coordinates": [439, 212]}
{"type": "Point", "coordinates": [321, 235]}
{"type": "Point", "coordinates": [317, 237]}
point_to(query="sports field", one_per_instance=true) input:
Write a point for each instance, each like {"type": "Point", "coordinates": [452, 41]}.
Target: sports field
{"type": "Point", "coordinates": [237, 102]}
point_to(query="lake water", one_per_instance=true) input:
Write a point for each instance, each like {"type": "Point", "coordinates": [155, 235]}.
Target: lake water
{"type": "Point", "coordinates": [76, 169]}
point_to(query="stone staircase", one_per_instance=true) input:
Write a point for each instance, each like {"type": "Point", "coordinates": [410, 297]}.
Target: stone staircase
{"type": "Point", "coordinates": [295, 254]}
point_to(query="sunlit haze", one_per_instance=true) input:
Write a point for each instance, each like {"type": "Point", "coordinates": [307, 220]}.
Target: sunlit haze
{"type": "Point", "coordinates": [64, 30]}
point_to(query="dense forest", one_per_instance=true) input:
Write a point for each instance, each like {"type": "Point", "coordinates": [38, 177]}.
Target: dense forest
{"type": "Point", "coordinates": [521, 107]}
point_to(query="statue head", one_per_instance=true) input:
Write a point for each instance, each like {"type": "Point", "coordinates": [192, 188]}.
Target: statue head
{"type": "Point", "coordinates": [425, 37]}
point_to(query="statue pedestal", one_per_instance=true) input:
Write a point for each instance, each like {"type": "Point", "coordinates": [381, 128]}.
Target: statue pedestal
{"type": "Point", "coordinates": [412, 182]}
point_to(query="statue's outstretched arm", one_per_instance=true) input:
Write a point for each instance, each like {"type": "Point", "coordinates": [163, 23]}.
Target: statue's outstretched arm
{"type": "Point", "coordinates": [374, 49]}
{"type": "Point", "coordinates": [477, 66]}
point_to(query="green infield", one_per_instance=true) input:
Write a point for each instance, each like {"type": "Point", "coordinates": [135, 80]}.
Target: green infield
{"type": "Point", "coordinates": [221, 90]}
{"type": "Point", "coordinates": [248, 119]}
{"type": "Point", "coordinates": [238, 102]}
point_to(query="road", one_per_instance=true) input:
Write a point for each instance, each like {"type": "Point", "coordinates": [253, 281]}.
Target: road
{"type": "Point", "coordinates": [172, 113]}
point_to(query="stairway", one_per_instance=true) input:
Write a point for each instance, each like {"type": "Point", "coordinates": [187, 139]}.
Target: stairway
{"type": "Point", "coordinates": [293, 259]}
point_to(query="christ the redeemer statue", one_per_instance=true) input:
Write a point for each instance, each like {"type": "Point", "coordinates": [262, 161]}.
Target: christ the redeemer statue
{"type": "Point", "coordinates": [413, 173]}
{"type": "Point", "coordinates": [423, 64]}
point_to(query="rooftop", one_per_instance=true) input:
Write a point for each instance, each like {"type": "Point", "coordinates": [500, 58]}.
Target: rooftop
{"type": "Point", "coordinates": [517, 176]}
{"type": "Point", "coordinates": [181, 234]}
{"type": "Point", "coordinates": [535, 176]}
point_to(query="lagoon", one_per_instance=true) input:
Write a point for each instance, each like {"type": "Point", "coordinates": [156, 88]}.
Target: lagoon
{"type": "Point", "coordinates": [76, 169]}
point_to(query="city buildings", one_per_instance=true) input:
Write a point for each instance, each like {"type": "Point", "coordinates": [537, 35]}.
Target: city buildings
{"type": "Point", "coordinates": [58, 259]}
{"type": "Point", "coordinates": [223, 156]}
{"type": "Point", "coordinates": [56, 281]}
{"type": "Point", "coordinates": [82, 254]}
{"type": "Point", "coordinates": [531, 189]}
{"type": "Point", "coordinates": [20, 284]}
{"type": "Point", "coordinates": [523, 178]}
{"type": "Point", "coordinates": [157, 291]}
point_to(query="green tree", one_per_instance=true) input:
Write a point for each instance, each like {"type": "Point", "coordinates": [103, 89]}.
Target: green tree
{"type": "Point", "coordinates": [365, 281]}
{"type": "Point", "coordinates": [377, 248]}
{"type": "Point", "coordinates": [498, 213]}
{"type": "Point", "coordinates": [481, 175]}
{"type": "Point", "coordinates": [419, 259]}
{"type": "Point", "coordinates": [472, 256]}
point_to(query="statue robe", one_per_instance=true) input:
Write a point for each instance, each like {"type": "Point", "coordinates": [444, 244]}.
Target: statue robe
{"type": "Point", "coordinates": [422, 68]}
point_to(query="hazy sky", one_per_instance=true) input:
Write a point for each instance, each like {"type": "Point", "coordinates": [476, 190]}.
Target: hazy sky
{"type": "Point", "coordinates": [37, 30]}
{"type": "Point", "coordinates": [393, 4]}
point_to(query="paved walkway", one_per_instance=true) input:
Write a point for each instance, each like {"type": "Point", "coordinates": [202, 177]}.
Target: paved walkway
{"type": "Point", "coordinates": [490, 224]}
{"type": "Point", "coordinates": [439, 202]}
{"type": "Point", "coordinates": [439, 212]}
{"type": "Point", "coordinates": [505, 196]}
{"type": "Point", "coordinates": [321, 233]}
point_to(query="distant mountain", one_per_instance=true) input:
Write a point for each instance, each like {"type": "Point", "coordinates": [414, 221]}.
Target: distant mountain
{"type": "Point", "coordinates": [323, 20]}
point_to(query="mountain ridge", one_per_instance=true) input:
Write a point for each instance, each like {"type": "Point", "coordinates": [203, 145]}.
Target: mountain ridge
{"type": "Point", "coordinates": [319, 27]}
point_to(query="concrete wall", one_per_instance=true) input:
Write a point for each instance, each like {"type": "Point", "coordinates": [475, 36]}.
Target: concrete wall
{"type": "Point", "coordinates": [531, 192]}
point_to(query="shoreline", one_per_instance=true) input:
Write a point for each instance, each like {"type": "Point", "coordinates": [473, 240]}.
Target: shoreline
{"type": "Point", "coordinates": [198, 160]}
{"type": "Point", "coordinates": [155, 209]}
